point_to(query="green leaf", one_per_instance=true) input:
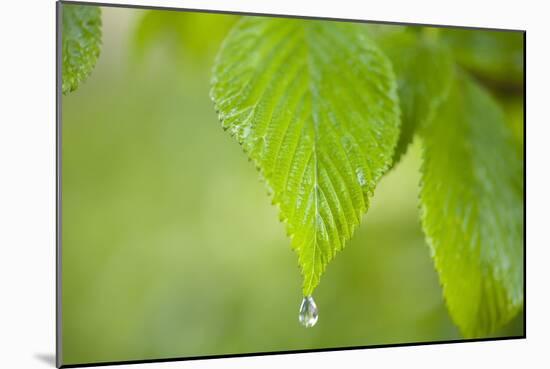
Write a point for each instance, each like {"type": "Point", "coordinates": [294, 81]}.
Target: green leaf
{"type": "Point", "coordinates": [513, 110]}
{"type": "Point", "coordinates": [314, 105]}
{"type": "Point", "coordinates": [513, 107]}
{"type": "Point", "coordinates": [81, 40]}
{"type": "Point", "coordinates": [424, 72]}
{"type": "Point", "coordinates": [472, 209]}
{"type": "Point", "coordinates": [493, 55]}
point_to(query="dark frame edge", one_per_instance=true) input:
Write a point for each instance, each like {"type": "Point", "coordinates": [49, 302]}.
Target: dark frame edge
{"type": "Point", "coordinates": [58, 254]}
{"type": "Point", "coordinates": [235, 12]}
{"type": "Point", "coordinates": [525, 184]}
{"type": "Point", "coordinates": [292, 352]}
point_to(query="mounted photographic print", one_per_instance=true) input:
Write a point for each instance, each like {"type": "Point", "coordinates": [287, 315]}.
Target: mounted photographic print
{"type": "Point", "coordinates": [239, 184]}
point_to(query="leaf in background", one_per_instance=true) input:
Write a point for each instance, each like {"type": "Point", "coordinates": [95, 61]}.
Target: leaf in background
{"type": "Point", "coordinates": [314, 105]}
{"type": "Point", "coordinates": [472, 209]}
{"type": "Point", "coordinates": [182, 32]}
{"type": "Point", "coordinates": [424, 72]}
{"type": "Point", "coordinates": [513, 110]}
{"type": "Point", "coordinates": [496, 56]}
{"type": "Point", "coordinates": [81, 40]}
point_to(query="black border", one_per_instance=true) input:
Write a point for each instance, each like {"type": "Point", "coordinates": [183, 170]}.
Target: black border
{"type": "Point", "coordinates": [305, 351]}
{"type": "Point", "coordinates": [231, 12]}
{"type": "Point", "coordinates": [58, 110]}
{"type": "Point", "coordinates": [524, 184]}
{"type": "Point", "coordinates": [58, 145]}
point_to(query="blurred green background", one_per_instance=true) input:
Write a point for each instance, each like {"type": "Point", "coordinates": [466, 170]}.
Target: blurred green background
{"type": "Point", "coordinates": [170, 245]}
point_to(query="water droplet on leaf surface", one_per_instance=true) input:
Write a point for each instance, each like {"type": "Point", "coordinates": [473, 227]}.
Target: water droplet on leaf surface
{"type": "Point", "coordinates": [361, 177]}
{"type": "Point", "coordinates": [308, 312]}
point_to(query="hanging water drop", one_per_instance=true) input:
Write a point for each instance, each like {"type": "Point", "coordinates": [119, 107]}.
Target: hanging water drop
{"type": "Point", "coordinates": [308, 312]}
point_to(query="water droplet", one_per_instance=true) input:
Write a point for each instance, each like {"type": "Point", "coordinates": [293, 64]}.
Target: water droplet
{"type": "Point", "coordinates": [245, 132]}
{"type": "Point", "coordinates": [361, 177]}
{"type": "Point", "coordinates": [308, 312]}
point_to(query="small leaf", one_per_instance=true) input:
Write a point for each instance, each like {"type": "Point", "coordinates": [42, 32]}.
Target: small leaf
{"type": "Point", "coordinates": [81, 40]}
{"type": "Point", "coordinates": [493, 55]}
{"type": "Point", "coordinates": [472, 209]}
{"type": "Point", "coordinates": [314, 105]}
{"type": "Point", "coordinates": [424, 72]}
